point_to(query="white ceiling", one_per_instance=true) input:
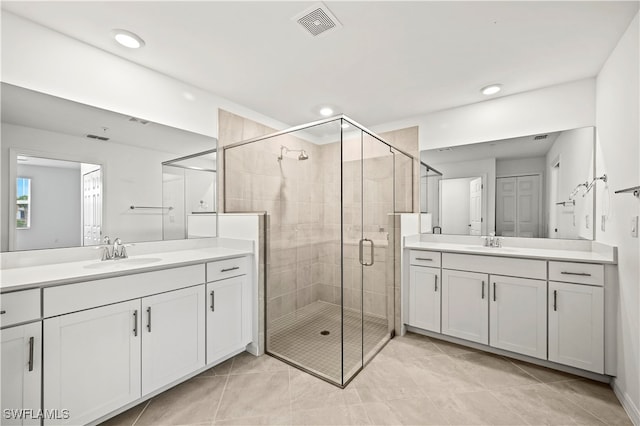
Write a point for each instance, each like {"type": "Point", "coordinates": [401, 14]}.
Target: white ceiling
{"type": "Point", "coordinates": [389, 60]}
{"type": "Point", "coordinates": [521, 147]}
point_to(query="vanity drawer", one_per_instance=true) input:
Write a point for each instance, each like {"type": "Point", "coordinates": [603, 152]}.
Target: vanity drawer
{"type": "Point", "coordinates": [68, 298]}
{"type": "Point", "coordinates": [19, 306]}
{"type": "Point", "coordinates": [425, 258]}
{"type": "Point", "coordinates": [580, 273]}
{"type": "Point", "coordinates": [495, 265]}
{"type": "Point", "coordinates": [228, 268]}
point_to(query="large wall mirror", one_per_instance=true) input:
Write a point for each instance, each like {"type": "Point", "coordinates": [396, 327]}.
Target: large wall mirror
{"type": "Point", "coordinates": [73, 174]}
{"type": "Point", "coordinates": [536, 186]}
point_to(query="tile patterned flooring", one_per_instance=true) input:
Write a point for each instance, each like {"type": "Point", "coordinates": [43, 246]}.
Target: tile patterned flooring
{"type": "Point", "coordinates": [414, 380]}
{"type": "Point", "coordinates": [296, 337]}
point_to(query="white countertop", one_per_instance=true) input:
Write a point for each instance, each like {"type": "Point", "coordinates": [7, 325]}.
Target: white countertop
{"type": "Point", "coordinates": [530, 253]}
{"type": "Point", "coordinates": [71, 272]}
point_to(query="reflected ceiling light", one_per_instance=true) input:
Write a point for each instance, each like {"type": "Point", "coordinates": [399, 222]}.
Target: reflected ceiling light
{"type": "Point", "coordinates": [492, 89]}
{"type": "Point", "coordinates": [128, 39]}
{"type": "Point", "coordinates": [326, 111]}
{"type": "Point", "coordinates": [345, 125]}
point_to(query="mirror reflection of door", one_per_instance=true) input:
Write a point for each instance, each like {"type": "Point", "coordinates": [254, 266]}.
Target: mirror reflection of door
{"type": "Point", "coordinates": [518, 206]}
{"type": "Point", "coordinates": [92, 206]}
{"type": "Point", "coordinates": [475, 206]}
{"type": "Point", "coordinates": [461, 206]}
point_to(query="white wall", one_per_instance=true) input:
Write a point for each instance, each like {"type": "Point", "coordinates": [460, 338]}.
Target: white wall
{"type": "Point", "coordinates": [560, 107]}
{"type": "Point", "coordinates": [55, 208]}
{"type": "Point", "coordinates": [520, 166]}
{"type": "Point", "coordinates": [618, 155]}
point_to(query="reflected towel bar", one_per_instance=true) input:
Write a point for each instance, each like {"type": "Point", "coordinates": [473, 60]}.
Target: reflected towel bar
{"type": "Point", "coordinates": [634, 189]}
{"type": "Point", "coordinates": [149, 207]}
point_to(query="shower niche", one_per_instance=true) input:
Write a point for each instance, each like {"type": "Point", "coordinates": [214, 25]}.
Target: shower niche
{"type": "Point", "coordinates": [331, 190]}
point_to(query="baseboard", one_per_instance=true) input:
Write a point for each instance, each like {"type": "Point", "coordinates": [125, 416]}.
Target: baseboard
{"type": "Point", "coordinates": [632, 410]}
{"type": "Point", "coordinates": [253, 349]}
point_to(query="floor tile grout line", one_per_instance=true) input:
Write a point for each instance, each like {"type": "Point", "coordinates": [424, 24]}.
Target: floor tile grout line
{"type": "Point", "coordinates": [141, 412]}
{"type": "Point", "coordinates": [215, 415]}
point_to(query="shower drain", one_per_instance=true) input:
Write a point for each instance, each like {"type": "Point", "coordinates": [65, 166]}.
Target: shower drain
{"type": "Point", "coordinates": [325, 332]}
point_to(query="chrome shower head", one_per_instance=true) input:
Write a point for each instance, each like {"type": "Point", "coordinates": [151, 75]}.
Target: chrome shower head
{"type": "Point", "coordinates": [303, 155]}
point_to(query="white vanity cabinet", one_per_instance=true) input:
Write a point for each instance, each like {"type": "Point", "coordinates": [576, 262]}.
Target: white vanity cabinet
{"type": "Point", "coordinates": [465, 305]}
{"type": "Point", "coordinates": [173, 336]}
{"type": "Point", "coordinates": [92, 362]}
{"type": "Point", "coordinates": [20, 356]}
{"type": "Point", "coordinates": [576, 315]}
{"type": "Point", "coordinates": [228, 308]}
{"type": "Point", "coordinates": [425, 286]}
{"type": "Point", "coordinates": [518, 315]}
{"type": "Point", "coordinates": [20, 379]}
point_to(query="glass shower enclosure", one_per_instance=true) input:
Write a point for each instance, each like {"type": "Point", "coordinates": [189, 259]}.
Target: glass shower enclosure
{"type": "Point", "coordinates": [331, 190]}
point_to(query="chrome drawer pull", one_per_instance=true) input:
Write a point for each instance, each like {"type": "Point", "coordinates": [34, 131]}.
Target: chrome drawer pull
{"type": "Point", "coordinates": [31, 345]}
{"type": "Point", "coordinates": [425, 259]}
{"type": "Point", "coordinates": [230, 269]}
{"type": "Point", "coordinates": [581, 274]}
{"type": "Point", "coordinates": [2, 312]}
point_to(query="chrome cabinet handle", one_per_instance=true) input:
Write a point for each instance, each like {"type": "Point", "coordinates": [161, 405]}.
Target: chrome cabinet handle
{"type": "Point", "coordinates": [581, 274]}
{"type": "Point", "coordinates": [373, 260]}
{"type": "Point", "coordinates": [31, 345]}
{"type": "Point", "coordinates": [436, 286]}
{"type": "Point", "coordinates": [555, 300]}
{"type": "Point", "coordinates": [213, 301]}
{"type": "Point", "coordinates": [149, 319]}
{"type": "Point", "coordinates": [2, 312]}
{"type": "Point", "coordinates": [483, 289]}
{"type": "Point", "coordinates": [135, 323]}
{"type": "Point", "coordinates": [494, 292]}
{"type": "Point", "coordinates": [230, 269]}
{"type": "Point", "coordinates": [426, 259]}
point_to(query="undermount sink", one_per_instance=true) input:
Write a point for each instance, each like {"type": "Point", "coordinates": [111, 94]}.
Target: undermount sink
{"type": "Point", "coordinates": [123, 263]}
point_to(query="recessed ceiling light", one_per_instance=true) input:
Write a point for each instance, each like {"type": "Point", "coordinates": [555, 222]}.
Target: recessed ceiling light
{"type": "Point", "coordinates": [491, 89]}
{"type": "Point", "coordinates": [128, 39]}
{"type": "Point", "coordinates": [326, 111]}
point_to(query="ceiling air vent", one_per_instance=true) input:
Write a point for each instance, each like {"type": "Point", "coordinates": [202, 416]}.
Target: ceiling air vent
{"type": "Point", "coordinates": [317, 20]}
{"type": "Point", "coordinates": [540, 137]}
{"type": "Point", "coordinates": [100, 138]}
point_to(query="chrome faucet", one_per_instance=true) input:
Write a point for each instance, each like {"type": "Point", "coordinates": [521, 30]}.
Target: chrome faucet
{"type": "Point", "coordinates": [117, 251]}
{"type": "Point", "coordinates": [492, 240]}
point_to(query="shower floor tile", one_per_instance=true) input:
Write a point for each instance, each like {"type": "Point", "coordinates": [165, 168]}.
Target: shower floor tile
{"type": "Point", "coordinates": [302, 339]}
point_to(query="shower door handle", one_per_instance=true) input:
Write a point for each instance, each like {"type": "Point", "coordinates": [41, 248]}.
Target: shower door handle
{"type": "Point", "coordinates": [362, 262]}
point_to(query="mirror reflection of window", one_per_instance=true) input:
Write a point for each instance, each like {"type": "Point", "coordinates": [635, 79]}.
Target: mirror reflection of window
{"type": "Point", "coordinates": [23, 201]}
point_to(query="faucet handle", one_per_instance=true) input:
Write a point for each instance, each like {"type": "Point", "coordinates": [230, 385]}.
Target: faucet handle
{"type": "Point", "coordinates": [497, 242]}
{"type": "Point", "coordinates": [106, 239]}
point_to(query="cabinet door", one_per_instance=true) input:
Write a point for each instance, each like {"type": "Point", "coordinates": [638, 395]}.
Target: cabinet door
{"type": "Point", "coordinates": [92, 362]}
{"type": "Point", "coordinates": [20, 372]}
{"type": "Point", "coordinates": [227, 317]}
{"type": "Point", "coordinates": [518, 315]}
{"type": "Point", "coordinates": [173, 336]}
{"type": "Point", "coordinates": [465, 305]}
{"type": "Point", "coordinates": [424, 298]}
{"type": "Point", "coordinates": [576, 325]}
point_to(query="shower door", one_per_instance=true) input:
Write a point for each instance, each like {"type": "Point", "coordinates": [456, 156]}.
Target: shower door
{"type": "Point", "coordinates": [369, 202]}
